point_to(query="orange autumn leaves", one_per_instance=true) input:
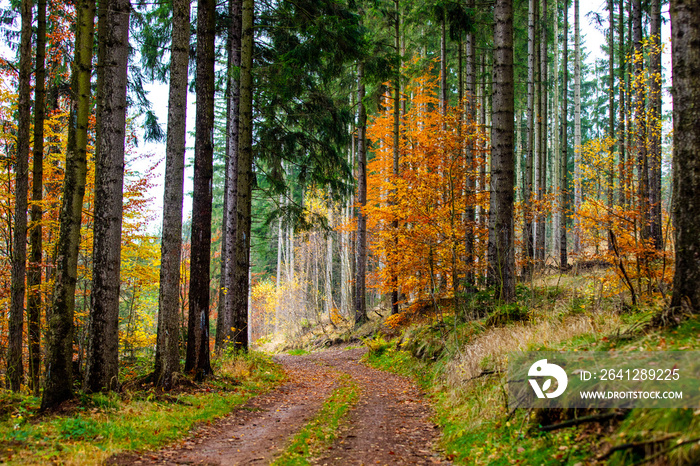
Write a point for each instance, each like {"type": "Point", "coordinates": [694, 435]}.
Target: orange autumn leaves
{"type": "Point", "coordinates": [429, 196]}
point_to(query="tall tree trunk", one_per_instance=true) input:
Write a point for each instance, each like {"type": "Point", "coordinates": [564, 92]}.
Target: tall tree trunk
{"type": "Point", "coordinates": [471, 176]}
{"type": "Point", "coordinates": [556, 137]}
{"type": "Point", "coordinates": [611, 113]}
{"type": "Point", "coordinates": [528, 239]}
{"type": "Point", "coordinates": [655, 226]}
{"type": "Point", "coordinates": [34, 271]}
{"type": "Point", "coordinates": [167, 359]}
{"type": "Point", "coordinates": [483, 213]}
{"type": "Point", "coordinates": [542, 153]}
{"type": "Point", "coordinates": [685, 31]}
{"type": "Point", "coordinates": [245, 178]}
{"type": "Point", "coordinates": [278, 280]}
{"type": "Point", "coordinates": [622, 107]}
{"type": "Point", "coordinates": [361, 261]}
{"type": "Point", "coordinates": [629, 173]}
{"type": "Point", "coordinates": [198, 358]}
{"type": "Point", "coordinates": [640, 121]}
{"type": "Point", "coordinates": [229, 248]}
{"type": "Point", "coordinates": [15, 368]}
{"type": "Point", "coordinates": [395, 167]}
{"type": "Point", "coordinates": [564, 163]}
{"type": "Point", "coordinates": [346, 245]}
{"type": "Point", "coordinates": [59, 337]}
{"type": "Point", "coordinates": [103, 344]}
{"type": "Point", "coordinates": [502, 257]}
{"type": "Point", "coordinates": [328, 283]}
{"type": "Point", "coordinates": [443, 57]}
{"type": "Point", "coordinates": [577, 128]}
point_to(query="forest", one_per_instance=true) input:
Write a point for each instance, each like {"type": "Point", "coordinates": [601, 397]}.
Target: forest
{"type": "Point", "coordinates": [358, 213]}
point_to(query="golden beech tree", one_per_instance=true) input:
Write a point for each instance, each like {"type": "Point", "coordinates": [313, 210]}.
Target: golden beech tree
{"type": "Point", "coordinates": [416, 220]}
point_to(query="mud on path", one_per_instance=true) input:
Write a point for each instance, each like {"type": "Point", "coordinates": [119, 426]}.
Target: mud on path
{"type": "Point", "coordinates": [389, 424]}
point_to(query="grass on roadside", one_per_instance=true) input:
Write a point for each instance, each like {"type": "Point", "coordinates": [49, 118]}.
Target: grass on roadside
{"type": "Point", "coordinates": [322, 430]}
{"type": "Point", "coordinates": [462, 366]}
{"type": "Point", "coordinates": [101, 425]}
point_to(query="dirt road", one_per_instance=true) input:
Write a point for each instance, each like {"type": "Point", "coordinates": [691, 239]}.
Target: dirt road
{"type": "Point", "coordinates": [389, 424]}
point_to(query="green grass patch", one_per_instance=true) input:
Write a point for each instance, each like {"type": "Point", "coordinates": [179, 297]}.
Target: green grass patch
{"type": "Point", "coordinates": [322, 430]}
{"type": "Point", "coordinates": [476, 425]}
{"type": "Point", "coordinates": [297, 352]}
{"type": "Point", "coordinates": [104, 424]}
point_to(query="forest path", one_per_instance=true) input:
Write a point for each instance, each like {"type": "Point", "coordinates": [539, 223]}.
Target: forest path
{"type": "Point", "coordinates": [388, 425]}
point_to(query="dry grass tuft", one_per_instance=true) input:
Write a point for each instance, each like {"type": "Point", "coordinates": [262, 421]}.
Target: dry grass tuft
{"type": "Point", "coordinates": [490, 349]}
{"type": "Point", "coordinates": [238, 367]}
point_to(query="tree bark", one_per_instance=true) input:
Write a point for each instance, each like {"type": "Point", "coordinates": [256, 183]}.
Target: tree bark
{"type": "Point", "coordinates": [34, 270]}
{"type": "Point", "coordinates": [59, 337]}
{"type": "Point", "coordinates": [502, 254]}
{"type": "Point", "coordinates": [556, 136]}
{"type": "Point", "coordinates": [470, 182]}
{"type": "Point", "coordinates": [15, 367]}
{"type": "Point", "coordinates": [361, 261]}
{"type": "Point", "coordinates": [564, 163]}
{"type": "Point", "coordinates": [246, 178]}
{"type": "Point", "coordinates": [685, 32]}
{"type": "Point", "coordinates": [542, 153]}
{"type": "Point", "coordinates": [229, 246]}
{"type": "Point", "coordinates": [528, 237]}
{"type": "Point", "coordinates": [198, 358]}
{"type": "Point", "coordinates": [167, 360]}
{"type": "Point", "coordinates": [577, 128]}
{"type": "Point", "coordinates": [640, 121]}
{"type": "Point", "coordinates": [395, 158]}
{"type": "Point", "coordinates": [103, 345]}
{"type": "Point", "coordinates": [655, 225]}
{"type": "Point", "coordinates": [622, 199]}
{"type": "Point", "coordinates": [611, 112]}
{"type": "Point", "coordinates": [443, 57]}
{"type": "Point", "coordinates": [328, 282]}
